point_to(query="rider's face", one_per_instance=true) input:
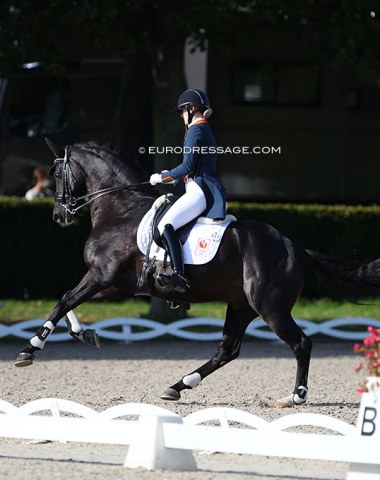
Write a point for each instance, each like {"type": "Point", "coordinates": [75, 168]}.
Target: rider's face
{"type": "Point", "coordinates": [185, 114]}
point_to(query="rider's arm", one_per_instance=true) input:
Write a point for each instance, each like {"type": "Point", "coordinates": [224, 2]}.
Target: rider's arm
{"type": "Point", "coordinates": [191, 155]}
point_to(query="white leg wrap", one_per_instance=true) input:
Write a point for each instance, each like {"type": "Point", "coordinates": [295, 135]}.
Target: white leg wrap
{"type": "Point", "coordinates": [300, 396]}
{"type": "Point", "coordinates": [75, 326]}
{"type": "Point", "coordinates": [43, 333]}
{"type": "Point", "coordinates": [192, 380]}
{"type": "Point", "coordinates": [297, 398]}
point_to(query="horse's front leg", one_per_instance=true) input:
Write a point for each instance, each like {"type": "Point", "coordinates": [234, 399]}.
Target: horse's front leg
{"type": "Point", "coordinates": [88, 286]}
{"type": "Point", "coordinates": [237, 321]}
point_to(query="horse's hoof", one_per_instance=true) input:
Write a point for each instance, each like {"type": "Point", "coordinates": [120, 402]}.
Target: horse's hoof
{"type": "Point", "coordinates": [171, 395]}
{"type": "Point", "coordinates": [286, 402]}
{"type": "Point", "coordinates": [24, 359]}
{"type": "Point", "coordinates": [91, 338]}
{"type": "Point", "coordinates": [299, 397]}
{"type": "Point", "coordinates": [88, 337]}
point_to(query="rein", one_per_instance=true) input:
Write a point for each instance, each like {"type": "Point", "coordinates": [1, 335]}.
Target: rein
{"type": "Point", "coordinates": [68, 201]}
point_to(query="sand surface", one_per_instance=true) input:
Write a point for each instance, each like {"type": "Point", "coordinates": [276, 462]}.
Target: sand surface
{"type": "Point", "coordinates": [139, 372]}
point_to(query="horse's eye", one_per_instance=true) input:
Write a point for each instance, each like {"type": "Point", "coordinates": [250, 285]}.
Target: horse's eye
{"type": "Point", "coordinates": [57, 174]}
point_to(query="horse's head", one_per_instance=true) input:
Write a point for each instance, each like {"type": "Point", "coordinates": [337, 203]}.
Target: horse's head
{"type": "Point", "coordinates": [69, 183]}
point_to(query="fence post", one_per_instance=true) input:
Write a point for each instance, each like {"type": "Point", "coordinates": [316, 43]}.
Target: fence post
{"type": "Point", "coordinates": [148, 449]}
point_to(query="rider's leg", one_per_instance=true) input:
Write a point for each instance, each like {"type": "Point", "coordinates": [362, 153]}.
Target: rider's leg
{"type": "Point", "coordinates": [189, 206]}
{"type": "Point", "coordinates": [177, 280]}
{"type": "Point", "coordinates": [186, 208]}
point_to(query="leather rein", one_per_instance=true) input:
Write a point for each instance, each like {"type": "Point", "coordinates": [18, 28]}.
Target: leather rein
{"type": "Point", "coordinates": [66, 197]}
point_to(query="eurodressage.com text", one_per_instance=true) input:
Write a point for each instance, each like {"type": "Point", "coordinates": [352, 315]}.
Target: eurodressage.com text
{"type": "Point", "coordinates": [240, 150]}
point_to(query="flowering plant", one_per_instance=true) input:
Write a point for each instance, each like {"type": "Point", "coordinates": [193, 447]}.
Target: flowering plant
{"type": "Point", "coordinates": [370, 350]}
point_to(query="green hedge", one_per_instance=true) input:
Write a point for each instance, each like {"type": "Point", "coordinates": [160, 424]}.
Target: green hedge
{"type": "Point", "coordinates": [346, 231]}
{"type": "Point", "coordinates": [338, 230]}
{"type": "Point", "coordinates": [39, 259]}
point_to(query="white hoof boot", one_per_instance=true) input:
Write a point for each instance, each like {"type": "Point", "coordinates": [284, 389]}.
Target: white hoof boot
{"type": "Point", "coordinates": [297, 398]}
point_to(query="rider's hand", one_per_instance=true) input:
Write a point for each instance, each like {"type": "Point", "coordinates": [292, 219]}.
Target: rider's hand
{"type": "Point", "coordinates": [155, 178]}
{"type": "Point", "coordinates": [167, 179]}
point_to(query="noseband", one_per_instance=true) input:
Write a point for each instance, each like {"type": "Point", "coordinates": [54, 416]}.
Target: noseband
{"type": "Point", "coordinates": [66, 197]}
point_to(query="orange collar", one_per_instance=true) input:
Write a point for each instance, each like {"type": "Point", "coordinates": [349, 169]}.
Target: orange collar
{"type": "Point", "coordinates": [201, 120]}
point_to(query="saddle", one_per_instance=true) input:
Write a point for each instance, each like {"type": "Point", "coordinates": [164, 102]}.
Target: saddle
{"type": "Point", "coordinates": [200, 240]}
{"type": "Point", "coordinates": [162, 205]}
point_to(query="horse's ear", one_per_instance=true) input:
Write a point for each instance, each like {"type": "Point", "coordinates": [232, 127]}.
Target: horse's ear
{"type": "Point", "coordinates": [58, 151]}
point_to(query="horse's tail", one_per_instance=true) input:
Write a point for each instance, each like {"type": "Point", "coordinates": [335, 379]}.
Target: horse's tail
{"type": "Point", "coordinates": [346, 278]}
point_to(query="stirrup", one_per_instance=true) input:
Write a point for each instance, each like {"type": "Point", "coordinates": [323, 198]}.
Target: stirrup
{"type": "Point", "coordinates": [173, 283]}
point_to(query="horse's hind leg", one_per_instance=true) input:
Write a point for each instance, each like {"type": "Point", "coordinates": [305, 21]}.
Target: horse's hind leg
{"type": "Point", "coordinates": [86, 336]}
{"type": "Point", "coordinates": [237, 321]}
{"type": "Point", "coordinates": [286, 328]}
{"type": "Point", "coordinates": [88, 286]}
{"type": "Point", "coordinates": [277, 281]}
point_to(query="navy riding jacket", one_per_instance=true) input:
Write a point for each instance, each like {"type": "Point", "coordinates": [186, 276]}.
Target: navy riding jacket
{"type": "Point", "coordinates": [199, 163]}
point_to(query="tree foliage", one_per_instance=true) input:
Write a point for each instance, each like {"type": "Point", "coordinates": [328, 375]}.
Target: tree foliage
{"type": "Point", "coordinates": [49, 30]}
{"type": "Point", "coordinates": [339, 31]}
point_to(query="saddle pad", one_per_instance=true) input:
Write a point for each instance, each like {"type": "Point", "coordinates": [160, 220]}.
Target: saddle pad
{"type": "Point", "coordinates": [200, 247]}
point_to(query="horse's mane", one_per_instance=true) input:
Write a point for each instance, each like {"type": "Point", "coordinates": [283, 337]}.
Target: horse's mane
{"type": "Point", "coordinates": [106, 151]}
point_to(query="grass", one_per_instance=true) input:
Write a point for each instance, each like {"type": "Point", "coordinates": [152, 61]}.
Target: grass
{"type": "Point", "coordinates": [18, 310]}
{"type": "Point", "coordinates": [12, 311]}
{"type": "Point", "coordinates": [325, 309]}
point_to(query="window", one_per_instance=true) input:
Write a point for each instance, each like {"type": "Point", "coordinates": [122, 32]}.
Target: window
{"type": "Point", "coordinates": [98, 101]}
{"type": "Point", "coordinates": [83, 99]}
{"type": "Point", "coordinates": [274, 83]}
{"type": "Point", "coordinates": [39, 106]}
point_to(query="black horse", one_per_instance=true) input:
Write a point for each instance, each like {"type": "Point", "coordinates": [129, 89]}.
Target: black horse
{"type": "Point", "coordinates": [257, 270]}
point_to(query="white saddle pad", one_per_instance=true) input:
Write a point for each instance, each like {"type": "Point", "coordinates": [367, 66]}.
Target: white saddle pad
{"type": "Point", "coordinates": [201, 245]}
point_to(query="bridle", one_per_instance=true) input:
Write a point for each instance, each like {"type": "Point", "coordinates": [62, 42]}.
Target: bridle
{"type": "Point", "coordinates": [68, 200]}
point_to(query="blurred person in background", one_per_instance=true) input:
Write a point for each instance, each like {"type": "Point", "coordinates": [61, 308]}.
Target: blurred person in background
{"type": "Point", "coordinates": [42, 185]}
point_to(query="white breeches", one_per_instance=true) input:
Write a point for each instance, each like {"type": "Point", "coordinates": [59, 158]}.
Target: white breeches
{"type": "Point", "coordinates": [189, 206]}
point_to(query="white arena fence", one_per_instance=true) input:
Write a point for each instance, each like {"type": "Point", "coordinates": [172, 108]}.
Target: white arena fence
{"type": "Point", "coordinates": [139, 329]}
{"type": "Point", "coordinates": [160, 439]}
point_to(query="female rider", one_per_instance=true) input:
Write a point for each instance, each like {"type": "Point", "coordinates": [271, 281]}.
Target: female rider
{"type": "Point", "coordinates": [204, 193]}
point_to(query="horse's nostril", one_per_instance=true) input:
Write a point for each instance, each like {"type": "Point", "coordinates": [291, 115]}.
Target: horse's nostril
{"type": "Point", "coordinates": [56, 217]}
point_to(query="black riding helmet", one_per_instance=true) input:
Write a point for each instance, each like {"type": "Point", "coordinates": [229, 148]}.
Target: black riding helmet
{"type": "Point", "coordinates": [195, 97]}
{"type": "Point", "coordinates": [192, 96]}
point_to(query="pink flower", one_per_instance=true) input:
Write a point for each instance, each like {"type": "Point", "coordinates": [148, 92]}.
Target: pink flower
{"type": "Point", "coordinates": [374, 332]}
{"type": "Point", "coordinates": [369, 341]}
{"type": "Point", "coordinates": [361, 390]}
{"type": "Point", "coordinates": [370, 351]}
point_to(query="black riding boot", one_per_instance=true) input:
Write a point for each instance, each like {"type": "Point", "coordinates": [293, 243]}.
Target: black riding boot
{"type": "Point", "coordinates": [176, 281]}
